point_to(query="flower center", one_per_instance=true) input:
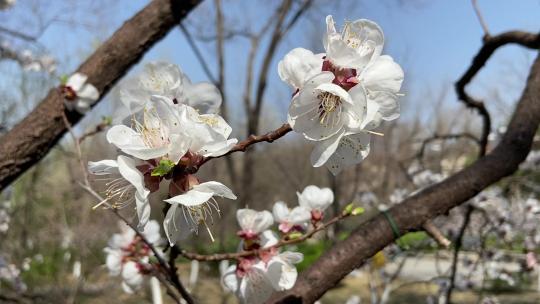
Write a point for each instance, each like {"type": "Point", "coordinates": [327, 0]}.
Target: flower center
{"type": "Point", "coordinates": [120, 193]}
{"type": "Point", "coordinates": [328, 104]}
{"type": "Point", "coordinates": [152, 130]}
{"type": "Point", "coordinates": [201, 214]}
{"type": "Point", "coordinates": [69, 93]}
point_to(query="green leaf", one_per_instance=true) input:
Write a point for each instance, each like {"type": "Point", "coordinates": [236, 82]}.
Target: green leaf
{"type": "Point", "coordinates": [163, 168]}
{"type": "Point", "coordinates": [63, 79]}
{"type": "Point", "coordinates": [294, 235]}
{"type": "Point", "coordinates": [348, 209]}
{"type": "Point", "coordinates": [106, 120]}
{"type": "Point", "coordinates": [357, 211]}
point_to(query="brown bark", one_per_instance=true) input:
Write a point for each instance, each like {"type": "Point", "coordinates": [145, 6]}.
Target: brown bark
{"type": "Point", "coordinates": [438, 199]}
{"type": "Point", "coordinates": [32, 138]}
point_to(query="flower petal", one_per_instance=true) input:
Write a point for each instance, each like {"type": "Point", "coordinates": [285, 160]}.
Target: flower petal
{"type": "Point", "coordinates": [324, 149]}
{"type": "Point", "coordinates": [103, 167]}
{"type": "Point", "coordinates": [383, 74]}
{"type": "Point", "coordinates": [129, 171]}
{"type": "Point", "coordinates": [298, 66]}
{"type": "Point", "coordinates": [190, 198]}
{"type": "Point", "coordinates": [352, 150]}
{"type": "Point", "coordinates": [76, 81]}
{"type": "Point", "coordinates": [215, 188]}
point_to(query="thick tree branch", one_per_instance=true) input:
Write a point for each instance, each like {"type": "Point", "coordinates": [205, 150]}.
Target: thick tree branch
{"type": "Point", "coordinates": [31, 139]}
{"type": "Point", "coordinates": [438, 199]}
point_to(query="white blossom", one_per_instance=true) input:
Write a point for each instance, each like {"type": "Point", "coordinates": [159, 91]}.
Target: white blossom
{"type": "Point", "coordinates": [192, 208]}
{"type": "Point", "coordinates": [125, 185]}
{"type": "Point", "coordinates": [253, 223]}
{"type": "Point", "coordinates": [128, 255]}
{"type": "Point", "coordinates": [4, 221]}
{"type": "Point", "coordinates": [315, 199]}
{"type": "Point", "coordinates": [344, 94]}
{"type": "Point", "coordinates": [254, 280]}
{"type": "Point", "coordinates": [79, 94]}
{"type": "Point", "coordinates": [167, 80]}
{"type": "Point", "coordinates": [290, 219]}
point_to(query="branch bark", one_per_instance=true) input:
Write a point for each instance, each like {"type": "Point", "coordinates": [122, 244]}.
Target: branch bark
{"type": "Point", "coordinates": [32, 138]}
{"type": "Point", "coordinates": [438, 199]}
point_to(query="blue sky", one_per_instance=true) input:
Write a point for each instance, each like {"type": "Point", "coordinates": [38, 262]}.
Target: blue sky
{"type": "Point", "coordinates": [433, 40]}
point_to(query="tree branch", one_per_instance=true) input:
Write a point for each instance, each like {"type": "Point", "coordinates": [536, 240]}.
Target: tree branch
{"type": "Point", "coordinates": [32, 138]}
{"type": "Point", "coordinates": [253, 139]}
{"type": "Point", "coordinates": [491, 43]}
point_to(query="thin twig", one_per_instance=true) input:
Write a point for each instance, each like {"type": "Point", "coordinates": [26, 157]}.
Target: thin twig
{"type": "Point", "coordinates": [483, 23]}
{"type": "Point", "coordinates": [198, 54]}
{"type": "Point", "coordinates": [281, 243]}
{"type": "Point", "coordinates": [253, 139]}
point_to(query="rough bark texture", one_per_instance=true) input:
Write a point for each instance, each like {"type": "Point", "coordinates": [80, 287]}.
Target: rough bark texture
{"type": "Point", "coordinates": [32, 138]}
{"type": "Point", "coordinates": [376, 233]}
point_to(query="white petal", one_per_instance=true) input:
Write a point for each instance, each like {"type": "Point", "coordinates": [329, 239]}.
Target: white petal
{"type": "Point", "coordinates": [151, 232]}
{"type": "Point", "coordinates": [281, 274]}
{"type": "Point", "coordinates": [387, 104]}
{"type": "Point", "coordinates": [251, 220]}
{"type": "Point", "coordinates": [89, 92]}
{"type": "Point", "coordinates": [280, 211]}
{"type": "Point", "coordinates": [324, 149]}
{"type": "Point", "coordinates": [299, 215]}
{"type": "Point", "coordinates": [114, 262]}
{"type": "Point", "coordinates": [103, 167]}
{"type": "Point", "coordinates": [268, 238]}
{"type": "Point", "coordinates": [230, 280]}
{"type": "Point", "coordinates": [316, 198]}
{"type": "Point", "coordinates": [215, 188]}
{"type": "Point", "coordinates": [128, 170]}
{"type": "Point", "coordinates": [131, 143]}
{"type": "Point", "coordinates": [205, 97]}
{"type": "Point", "coordinates": [190, 198]}
{"type": "Point", "coordinates": [298, 66]}
{"type": "Point", "coordinates": [143, 210]}
{"type": "Point", "coordinates": [131, 276]}
{"type": "Point", "coordinates": [175, 225]}
{"type": "Point", "coordinates": [178, 147]}
{"type": "Point", "coordinates": [217, 123]}
{"type": "Point", "coordinates": [352, 150]}
{"type": "Point", "coordinates": [76, 81]}
{"type": "Point", "coordinates": [358, 109]}
{"type": "Point", "coordinates": [255, 286]}
{"type": "Point", "coordinates": [383, 74]}
{"type": "Point", "coordinates": [368, 30]}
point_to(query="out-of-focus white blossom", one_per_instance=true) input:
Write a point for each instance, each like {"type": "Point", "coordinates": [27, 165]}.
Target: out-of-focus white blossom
{"type": "Point", "coordinates": [167, 80]}
{"type": "Point", "coordinates": [4, 221]}
{"type": "Point", "coordinates": [129, 256]}
{"type": "Point", "coordinates": [79, 94]}
{"type": "Point", "coordinates": [254, 280]}
{"type": "Point", "coordinates": [290, 219]}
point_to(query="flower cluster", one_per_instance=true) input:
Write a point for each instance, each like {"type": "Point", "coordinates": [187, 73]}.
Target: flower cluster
{"type": "Point", "coordinates": [255, 277]}
{"type": "Point", "coordinates": [173, 129]}
{"type": "Point", "coordinates": [130, 257]}
{"type": "Point", "coordinates": [26, 58]}
{"type": "Point", "coordinates": [342, 95]}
